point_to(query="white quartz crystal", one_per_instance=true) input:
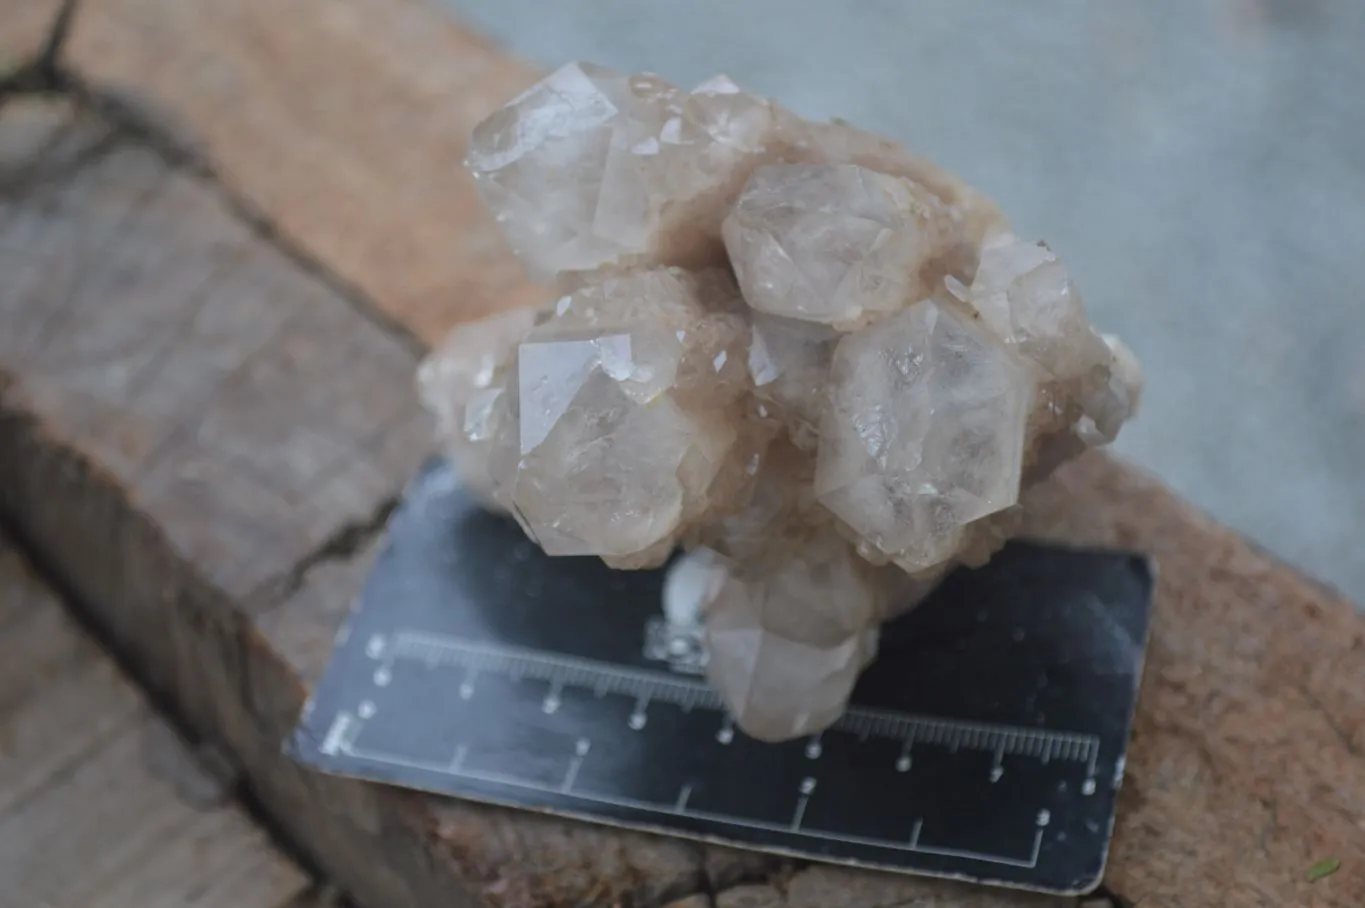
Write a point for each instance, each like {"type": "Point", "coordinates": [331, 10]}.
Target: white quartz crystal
{"type": "Point", "coordinates": [827, 367]}
{"type": "Point", "coordinates": [924, 432]}
{"type": "Point", "coordinates": [783, 651]}
{"type": "Point", "coordinates": [836, 244]}
{"type": "Point", "coordinates": [624, 415]}
{"type": "Point", "coordinates": [591, 168]}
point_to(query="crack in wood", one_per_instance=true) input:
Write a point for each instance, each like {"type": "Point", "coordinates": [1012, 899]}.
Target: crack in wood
{"type": "Point", "coordinates": [28, 181]}
{"type": "Point", "coordinates": [18, 426]}
{"type": "Point", "coordinates": [138, 122]}
{"type": "Point", "coordinates": [47, 62]}
{"type": "Point", "coordinates": [43, 72]}
{"type": "Point", "coordinates": [1329, 720]}
{"type": "Point", "coordinates": [1103, 897]}
{"type": "Point", "coordinates": [346, 542]}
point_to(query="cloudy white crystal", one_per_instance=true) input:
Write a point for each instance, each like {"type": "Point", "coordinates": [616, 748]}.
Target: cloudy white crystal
{"type": "Point", "coordinates": [620, 426]}
{"type": "Point", "coordinates": [782, 651]}
{"type": "Point", "coordinates": [590, 168]}
{"type": "Point", "coordinates": [824, 365]}
{"type": "Point", "coordinates": [924, 432]}
{"type": "Point", "coordinates": [789, 365]}
{"type": "Point", "coordinates": [463, 384]}
{"type": "Point", "coordinates": [836, 244]}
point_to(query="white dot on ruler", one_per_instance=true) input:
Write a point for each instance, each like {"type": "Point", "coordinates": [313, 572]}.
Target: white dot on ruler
{"type": "Point", "coordinates": [374, 648]}
{"type": "Point", "coordinates": [382, 677]}
{"type": "Point", "coordinates": [1044, 817]}
{"type": "Point", "coordinates": [581, 748]}
{"type": "Point", "coordinates": [466, 691]}
{"type": "Point", "coordinates": [637, 721]}
{"type": "Point", "coordinates": [365, 710]}
{"type": "Point", "coordinates": [807, 785]}
{"type": "Point", "coordinates": [903, 764]}
{"type": "Point", "coordinates": [813, 750]}
{"type": "Point", "coordinates": [550, 705]}
{"type": "Point", "coordinates": [1088, 787]}
{"type": "Point", "coordinates": [725, 735]}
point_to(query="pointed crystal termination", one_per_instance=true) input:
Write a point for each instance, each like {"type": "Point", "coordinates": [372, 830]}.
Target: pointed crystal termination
{"type": "Point", "coordinates": [827, 365]}
{"type": "Point", "coordinates": [782, 651]}
{"type": "Point", "coordinates": [924, 433]}
{"type": "Point", "coordinates": [592, 169]}
{"type": "Point", "coordinates": [837, 244]}
{"type": "Point", "coordinates": [1089, 384]}
{"type": "Point", "coordinates": [622, 416]}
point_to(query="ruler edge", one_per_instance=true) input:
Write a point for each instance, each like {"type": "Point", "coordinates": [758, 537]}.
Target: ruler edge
{"type": "Point", "coordinates": [315, 763]}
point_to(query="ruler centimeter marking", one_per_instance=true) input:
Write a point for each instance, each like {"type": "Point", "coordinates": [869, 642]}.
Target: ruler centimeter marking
{"type": "Point", "coordinates": [646, 686]}
{"type": "Point", "coordinates": [344, 744]}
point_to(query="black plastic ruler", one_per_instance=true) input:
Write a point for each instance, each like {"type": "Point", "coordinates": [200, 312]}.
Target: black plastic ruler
{"type": "Point", "coordinates": [986, 742]}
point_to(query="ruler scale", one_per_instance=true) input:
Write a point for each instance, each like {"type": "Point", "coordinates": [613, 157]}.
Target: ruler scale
{"type": "Point", "coordinates": [987, 742]}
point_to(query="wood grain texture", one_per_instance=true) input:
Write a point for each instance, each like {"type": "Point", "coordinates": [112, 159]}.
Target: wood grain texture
{"type": "Point", "coordinates": [198, 431]}
{"type": "Point", "coordinates": [234, 564]}
{"type": "Point", "coordinates": [93, 785]}
{"type": "Point", "coordinates": [352, 150]}
{"type": "Point", "coordinates": [24, 27]}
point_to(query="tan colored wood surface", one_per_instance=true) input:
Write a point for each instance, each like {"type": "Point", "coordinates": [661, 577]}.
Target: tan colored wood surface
{"type": "Point", "coordinates": [101, 806]}
{"type": "Point", "coordinates": [351, 150]}
{"type": "Point", "coordinates": [242, 467]}
{"type": "Point", "coordinates": [24, 26]}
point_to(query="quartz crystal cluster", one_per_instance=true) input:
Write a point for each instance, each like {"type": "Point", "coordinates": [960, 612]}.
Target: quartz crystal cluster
{"type": "Point", "coordinates": [824, 366]}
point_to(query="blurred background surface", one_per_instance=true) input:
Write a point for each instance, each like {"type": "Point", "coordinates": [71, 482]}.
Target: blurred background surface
{"type": "Point", "coordinates": [1198, 164]}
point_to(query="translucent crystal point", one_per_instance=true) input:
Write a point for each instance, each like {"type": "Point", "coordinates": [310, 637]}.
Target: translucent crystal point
{"type": "Point", "coordinates": [783, 652]}
{"type": "Point", "coordinates": [924, 433]}
{"type": "Point", "coordinates": [591, 168]}
{"type": "Point", "coordinates": [621, 418]}
{"type": "Point", "coordinates": [1089, 384]}
{"type": "Point", "coordinates": [836, 244]}
{"type": "Point", "coordinates": [840, 143]}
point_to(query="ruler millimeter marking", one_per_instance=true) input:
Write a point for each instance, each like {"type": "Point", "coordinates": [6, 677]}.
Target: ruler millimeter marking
{"type": "Point", "coordinates": [680, 808]}
{"type": "Point", "coordinates": [986, 742]}
{"type": "Point", "coordinates": [561, 671]}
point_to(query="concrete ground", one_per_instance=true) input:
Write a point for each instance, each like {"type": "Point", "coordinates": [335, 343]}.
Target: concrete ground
{"type": "Point", "coordinates": [1199, 164]}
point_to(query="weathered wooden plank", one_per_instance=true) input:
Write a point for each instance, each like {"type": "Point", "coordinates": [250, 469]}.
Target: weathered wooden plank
{"type": "Point", "coordinates": [200, 428]}
{"type": "Point", "coordinates": [85, 817]}
{"type": "Point", "coordinates": [351, 151]}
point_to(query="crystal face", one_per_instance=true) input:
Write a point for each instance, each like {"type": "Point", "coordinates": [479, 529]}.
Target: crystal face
{"type": "Point", "coordinates": [835, 244]}
{"type": "Point", "coordinates": [782, 650]}
{"type": "Point", "coordinates": [591, 168]}
{"type": "Point", "coordinates": [622, 415]}
{"type": "Point", "coordinates": [826, 367]}
{"type": "Point", "coordinates": [924, 433]}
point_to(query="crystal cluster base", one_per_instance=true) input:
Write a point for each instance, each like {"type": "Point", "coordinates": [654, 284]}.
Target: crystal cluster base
{"type": "Point", "coordinates": [826, 367]}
